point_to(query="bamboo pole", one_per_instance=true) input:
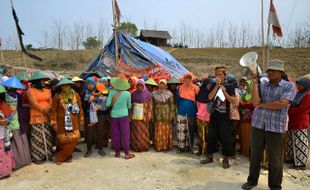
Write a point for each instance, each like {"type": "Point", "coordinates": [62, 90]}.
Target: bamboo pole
{"type": "Point", "coordinates": [268, 42]}
{"type": "Point", "coordinates": [2, 57]}
{"type": "Point", "coordinates": [115, 33]}
{"type": "Point", "coordinates": [263, 36]}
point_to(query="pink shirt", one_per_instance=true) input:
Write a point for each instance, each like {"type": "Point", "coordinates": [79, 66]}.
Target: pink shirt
{"type": "Point", "coordinates": [202, 112]}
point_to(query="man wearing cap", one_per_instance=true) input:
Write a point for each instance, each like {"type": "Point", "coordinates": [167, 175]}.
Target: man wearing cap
{"type": "Point", "coordinates": [268, 124]}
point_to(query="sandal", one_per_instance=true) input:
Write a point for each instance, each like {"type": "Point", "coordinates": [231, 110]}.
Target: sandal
{"type": "Point", "coordinates": [87, 154]}
{"type": "Point", "coordinates": [247, 186]}
{"type": "Point", "coordinates": [129, 156]}
{"type": "Point", "coordinates": [206, 161]}
{"type": "Point", "coordinates": [117, 155]}
{"type": "Point", "coordinates": [226, 164]}
{"type": "Point", "coordinates": [101, 153]}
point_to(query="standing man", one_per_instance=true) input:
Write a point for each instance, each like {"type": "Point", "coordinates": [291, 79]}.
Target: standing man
{"type": "Point", "coordinates": [220, 129]}
{"type": "Point", "coordinates": [268, 124]}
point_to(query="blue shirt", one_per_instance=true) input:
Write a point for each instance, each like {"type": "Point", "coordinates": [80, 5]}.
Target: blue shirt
{"type": "Point", "coordinates": [274, 120]}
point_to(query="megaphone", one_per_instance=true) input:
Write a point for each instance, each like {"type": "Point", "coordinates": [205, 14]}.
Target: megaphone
{"type": "Point", "coordinates": [249, 60]}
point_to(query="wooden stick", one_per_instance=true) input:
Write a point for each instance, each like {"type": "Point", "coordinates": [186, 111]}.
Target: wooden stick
{"type": "Point", "coordinates": [2, 57]}
{"type": "Point", "coordinates": [115, 33]}
{"type": "Point", "coordinates": [268, 42]}
{"type": "Point", "coordinates": [263, 36]}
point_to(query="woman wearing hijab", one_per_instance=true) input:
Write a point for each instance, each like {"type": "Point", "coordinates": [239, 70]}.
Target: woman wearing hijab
{"type": "Point", "coordinates": [6, 152]}
{"type": "Point", "coordinates": [133, 84]}
{"type": "Point", "coordinates": [119, 100]}
{"type": "Point", "coordinates": [20, 145]}
{"type": "Point", "coordinates": [164, 114]}
{"type": "Point", "coordinates": [186, 104]}
{"type": "Point", "coordinates": [40, 102]}
{"type": "Point", "coordinates": [246, 112]}
{"type": "Point", "coordinates": [298, 149]}
{"type": "Point", "coordinates": [66, 118]}
{"type": "Point", "coordinates": [203, 114]}
{"type": "Point", "coordinates": [94, 132]}
{"type": "Point", "coordinates": [142, 114]}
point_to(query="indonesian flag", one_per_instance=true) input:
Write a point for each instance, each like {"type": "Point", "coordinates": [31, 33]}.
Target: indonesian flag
{"type": "Point", "coordinates": [118, 12]}
{"type": "Point", "coordinates": [274, 21]}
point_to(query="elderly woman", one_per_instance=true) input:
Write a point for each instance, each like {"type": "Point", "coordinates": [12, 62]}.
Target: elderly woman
{"type": "Point", "coordinates": [164, 114]}
{"type": "Point", "coordinates": [6, 152]}
{"type": "Point", "coordinates": [20, 145]}
{"type": "Point", "coordinates": [298, 149]}
{"type": "Point", "coordinates": [186, 103]}
{"type": "Point", "coordinates": [119, 100]}
{"type": "Point", "coordinates": [66, 118]}
{"type": "Point", "coordinates": [141, 115]}
{"type": "Point", "coordinates": [40, 102]}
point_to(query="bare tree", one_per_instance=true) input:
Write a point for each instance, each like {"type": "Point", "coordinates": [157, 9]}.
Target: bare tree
{"type": "Point", "coordinates": [11, 42]}
{"type": "Point", "coordinates": [58, 34]}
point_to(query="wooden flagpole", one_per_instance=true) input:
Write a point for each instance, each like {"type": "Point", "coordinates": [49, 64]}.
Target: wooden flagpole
{"type": "Point", "coordinates": [115, 33]}
{"type": "Point", "coordinates": [268, 40]}
{"type": "Point", "coordinates": [263, 36]}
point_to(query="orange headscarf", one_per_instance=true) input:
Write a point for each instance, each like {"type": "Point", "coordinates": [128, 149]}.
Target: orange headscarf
{"type": "Point", "coordinates": [188, 90]}
{"type": "Point", "coordinates": [134, 84]}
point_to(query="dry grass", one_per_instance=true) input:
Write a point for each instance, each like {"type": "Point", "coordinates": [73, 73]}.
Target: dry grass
{"type": "Point", "coordinates": [200, 61]}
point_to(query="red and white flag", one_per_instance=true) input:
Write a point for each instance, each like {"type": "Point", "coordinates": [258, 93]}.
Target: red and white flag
{"type": "Point", "coordinates": [117, 12]}
{"type": "Point", "coordinates": [274, 21]}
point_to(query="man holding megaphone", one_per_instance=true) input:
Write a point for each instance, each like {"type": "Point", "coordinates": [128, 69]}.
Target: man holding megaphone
{"type": "Point", "coordinates": [269, 120]}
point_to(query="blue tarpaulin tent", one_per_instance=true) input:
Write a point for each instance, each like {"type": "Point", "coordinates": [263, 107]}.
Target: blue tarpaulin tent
{"type": "Point", "coordinates": [135, 54]}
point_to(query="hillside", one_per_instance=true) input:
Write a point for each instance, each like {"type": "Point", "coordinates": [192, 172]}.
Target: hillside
{"type": "Point", "coordinates": [199, 61]}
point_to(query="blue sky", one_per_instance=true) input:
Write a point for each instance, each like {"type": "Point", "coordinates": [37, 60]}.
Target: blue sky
{"type": "Point", "coordinates": [37, 15]}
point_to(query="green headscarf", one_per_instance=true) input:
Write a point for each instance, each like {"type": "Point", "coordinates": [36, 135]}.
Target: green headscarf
{"type": "Point", "coordinates": [248, 95]}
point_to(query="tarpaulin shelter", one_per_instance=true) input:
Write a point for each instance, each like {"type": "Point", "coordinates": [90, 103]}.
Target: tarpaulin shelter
{"type": "Point", "coordinates": [136, 58]}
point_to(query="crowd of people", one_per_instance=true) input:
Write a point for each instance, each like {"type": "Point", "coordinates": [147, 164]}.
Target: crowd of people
{"type": "Point", "coordinates": [265, 118]}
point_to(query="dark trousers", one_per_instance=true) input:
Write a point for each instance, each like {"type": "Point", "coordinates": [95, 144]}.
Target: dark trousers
{"type": "Point", "coordinates": [274, 142]}
{"type": "Point", "coordinates": [95, 134]}
{"type": "Point", "coordinates": [220, 130]}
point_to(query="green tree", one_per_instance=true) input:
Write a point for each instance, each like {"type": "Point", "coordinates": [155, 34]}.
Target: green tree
{"type": "Point", "coordinates": [29, 47]}
{"type": "Point", "coordinates": [129, 27]}
{"type": "Point", "coordinates": [92, 43]}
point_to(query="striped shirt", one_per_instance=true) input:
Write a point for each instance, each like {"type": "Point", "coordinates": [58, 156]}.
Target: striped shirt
{"type": "Point", "coordinates": [269, 119]}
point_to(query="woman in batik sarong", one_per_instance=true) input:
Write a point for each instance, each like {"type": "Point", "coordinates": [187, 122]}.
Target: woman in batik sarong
{"type": "Point", "coordinates": [6, 152]}
{"type": "Point", "coordinates": [141, 115]}
{"type": "Point", "coordinates": [186, 104]}
{"type": "Point", "coordinates": [40, 102]}
{"type": "Point", "coordinates": [298, 149]}
{"type": "Point", "coordinates": [164, 114]}
{"type": "Point", "coordinates": [20, 145]}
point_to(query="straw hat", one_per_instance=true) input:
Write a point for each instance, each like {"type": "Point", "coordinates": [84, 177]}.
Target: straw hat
{"type": "Point", "coordinates": [65, 81]}
{"type": "Point", "coordinates": [13, 82]}
{"type": "Point", "coordinates": [2, 90]}
{"type": "Point", "coordinates": [77, 79]}
{"type": "Point", "coordinates": [119, 83]}
{"type": "Point", "coordinates": [38, 75]}
{"type": "Point", "coordinates": [174, 80]}
{"type": "Point", "coordinates": [151, 81]}
{"type": "Point", "coordinates": [163, 81]}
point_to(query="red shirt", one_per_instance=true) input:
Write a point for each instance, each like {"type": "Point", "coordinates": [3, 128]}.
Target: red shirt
{"type": "Point", "coordinates": [299, 116]}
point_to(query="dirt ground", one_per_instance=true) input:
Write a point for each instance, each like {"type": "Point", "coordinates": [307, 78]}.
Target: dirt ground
{"type": "Point", "coordinates": [149, 170]}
